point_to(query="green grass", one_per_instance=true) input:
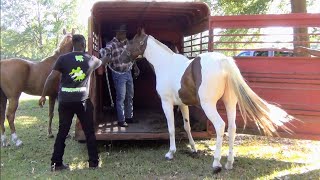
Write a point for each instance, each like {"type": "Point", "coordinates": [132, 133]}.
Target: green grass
{"type": "Point", "coordinates": [257, 157]}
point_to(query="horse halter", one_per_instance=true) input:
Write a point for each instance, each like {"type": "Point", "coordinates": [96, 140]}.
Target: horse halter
{"type": "Point", "coordinates": [142, 43]}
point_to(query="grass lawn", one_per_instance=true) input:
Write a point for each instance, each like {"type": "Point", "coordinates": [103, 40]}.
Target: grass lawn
{"type": "Point", "coordinates": [257, 157]}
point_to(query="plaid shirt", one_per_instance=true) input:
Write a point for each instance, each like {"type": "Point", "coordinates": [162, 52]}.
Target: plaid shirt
{"type": "Point", "coordinates": [113, 49]}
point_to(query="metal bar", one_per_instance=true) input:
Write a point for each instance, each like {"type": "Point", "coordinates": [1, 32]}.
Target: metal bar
{"type": "Point", "coordinates": [196, 50]}
{"type": "Point", "coordinates": [311, 34]}
{"type": "Point", "coordinates": [193, 45]}
{"type": "Point", "coordinates": [210, 42]}
{"type": "Point", "coordinates": [260, 49]}
{"type": "Point", "coordinates": [263, 42]}
{"type": "Point", "coordinates": [269, 20]}
{"type": "Point", "coordinates": [140, 136]}
{"type": "Point", "coordinates": [206, 36]}
{"type": "Point", "coordinates": [201, 42]}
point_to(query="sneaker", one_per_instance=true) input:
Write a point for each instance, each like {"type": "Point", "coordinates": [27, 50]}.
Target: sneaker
{"type": "Point", "coordinates": [93, 165]}
{"type": "Point", "coordinates": [131, 120]}
{"type": "Point", "coordinates": [54, 167]}
{"type": "Point", "coordinates": [123, 124]}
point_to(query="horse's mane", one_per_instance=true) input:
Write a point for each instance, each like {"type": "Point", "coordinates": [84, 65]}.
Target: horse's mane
{"type": "Point", "coordinates": [61, 44]}
{"type": "Point", "coordinates": [162, 45]}
{"type": "Point", "coordinates": [57, 51]}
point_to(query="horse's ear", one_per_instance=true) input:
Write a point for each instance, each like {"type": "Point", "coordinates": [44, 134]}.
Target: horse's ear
{"type": "Point", "coordinates": [64, 31]}
{"type": "Point", "coordinates": [142, 31]}
{"type": "Point", "coordinates": [139, 31]}
{"type": "Point", "coordinates": [73, 31]}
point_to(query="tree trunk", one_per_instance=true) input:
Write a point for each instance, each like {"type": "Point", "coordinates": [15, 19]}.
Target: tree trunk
{"type": "Point", "coordinates": [300, 35]}
{"type": "Point", "coordinates": [39, 27]}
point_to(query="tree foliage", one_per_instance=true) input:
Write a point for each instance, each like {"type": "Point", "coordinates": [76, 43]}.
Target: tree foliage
{"type": "Point", "coordinates": [247, 7]}
{"type": "Point", "coordinates": [32, 29]}
{"type": "Point", "coordinates": [238, 7]}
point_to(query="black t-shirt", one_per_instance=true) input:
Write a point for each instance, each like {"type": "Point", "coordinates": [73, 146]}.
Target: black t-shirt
{"type": "Point", "coordinates": [76, 68]}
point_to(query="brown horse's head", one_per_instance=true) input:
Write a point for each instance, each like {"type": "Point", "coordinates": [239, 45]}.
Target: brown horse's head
{"type": "Point", "coordinates": [65, 45]}
{"type": "Point", "coordinates": [135, 47]}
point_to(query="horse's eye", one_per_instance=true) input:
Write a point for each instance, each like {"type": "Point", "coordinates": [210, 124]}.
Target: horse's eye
{"type": "Point", "coordinates": [128, 53]}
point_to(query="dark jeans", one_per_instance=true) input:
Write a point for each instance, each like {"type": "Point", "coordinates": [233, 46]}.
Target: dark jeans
{"type": "Point", "coordinates": [123, 84]}
{"type": "Point", "coordinates": [84, 111]}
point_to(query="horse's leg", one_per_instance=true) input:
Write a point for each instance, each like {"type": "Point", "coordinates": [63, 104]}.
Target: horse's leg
{"type": "Point", "coordinates": [230, 102]}
{"type": "Point", "coordinates": [210, 110]}
{"type": "Point", "coordinates": [3, 101]}
{"type": "Point", "coordinates": [11, 112]}
{"type": "Point", "coordinates": [52, 100]}
{"type": "Point", "coordinates": [168, 111]}
{"type": "Point", "coordinates": [185, 113]}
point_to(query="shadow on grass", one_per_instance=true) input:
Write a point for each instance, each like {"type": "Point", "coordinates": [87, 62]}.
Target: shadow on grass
{"type": "Point", "coordinates": [30, 108]}
{"type": "Point", "coordinates": [29, 115]}
{"type": "Point", "coordinates": [189, 165]}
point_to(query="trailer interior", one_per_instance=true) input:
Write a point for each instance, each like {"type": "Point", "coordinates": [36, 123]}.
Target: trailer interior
{"type": "Point", "coordinates": [169, 22]}
{"type": "Point", "coordinates": [290, 81]}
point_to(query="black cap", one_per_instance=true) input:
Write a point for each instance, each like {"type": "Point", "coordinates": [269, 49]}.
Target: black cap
{"type": "Point", "coordinates": [121, 28]}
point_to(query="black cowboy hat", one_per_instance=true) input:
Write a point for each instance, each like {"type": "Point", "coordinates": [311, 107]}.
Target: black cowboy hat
{"type": "Point", "coordinates": [121, 28]}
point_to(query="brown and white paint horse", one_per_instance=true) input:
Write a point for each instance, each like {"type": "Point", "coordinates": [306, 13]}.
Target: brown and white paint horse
{"type": "Point", "coordinates": [202, 82]}
{"type": "Point", "coordinates": [20, 75]}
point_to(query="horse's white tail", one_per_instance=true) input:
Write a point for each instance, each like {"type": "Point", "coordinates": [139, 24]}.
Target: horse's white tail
{"type": "Point", "coordinates": [266, 116]}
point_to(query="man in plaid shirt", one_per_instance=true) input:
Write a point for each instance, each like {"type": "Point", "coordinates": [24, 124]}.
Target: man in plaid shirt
{"type": "Point", "coordinates": [121, 74]}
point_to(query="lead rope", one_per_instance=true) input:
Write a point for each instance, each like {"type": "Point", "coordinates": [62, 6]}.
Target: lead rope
{"type": "Point", "coordinates": [109, 89]}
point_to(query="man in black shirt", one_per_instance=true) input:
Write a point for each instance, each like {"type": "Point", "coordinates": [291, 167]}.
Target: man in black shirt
{"type": "Point", "coordinates": [75, 69]}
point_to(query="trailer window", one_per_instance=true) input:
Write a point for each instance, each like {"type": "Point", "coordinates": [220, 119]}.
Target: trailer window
{"type": "Point", "coordinates": [195, 44]}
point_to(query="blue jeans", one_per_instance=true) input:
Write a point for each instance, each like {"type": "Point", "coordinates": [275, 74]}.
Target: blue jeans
{"type": "Point", "coordinates": [123, 84]}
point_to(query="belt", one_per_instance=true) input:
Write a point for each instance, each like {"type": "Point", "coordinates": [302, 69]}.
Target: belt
{"type": "Point", "coordinates": [79, 89]}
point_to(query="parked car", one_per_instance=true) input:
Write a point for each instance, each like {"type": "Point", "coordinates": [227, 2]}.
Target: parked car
{"type": "Point", "coordinates": [264, 53]}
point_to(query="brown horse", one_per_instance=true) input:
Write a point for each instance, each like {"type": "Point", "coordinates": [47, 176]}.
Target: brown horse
{"type": "Point", "coordinates": [20, 75]}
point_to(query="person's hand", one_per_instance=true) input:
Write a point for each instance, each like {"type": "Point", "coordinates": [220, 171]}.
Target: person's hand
{"type": "Point", "coordinates": [42, 101]}
{"type": "Point", "coordinates": [136, 72]}
{"type": "Point", "coordinates": [103, 52]}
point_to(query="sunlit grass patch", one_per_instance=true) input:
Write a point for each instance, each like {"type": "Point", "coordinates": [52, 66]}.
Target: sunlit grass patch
{"type": "Point", "coordinates": [79, 165]}
{"type": "Point", "coordinates": [26, 97]}
{"type": "Point", "coordinates": [26, 120]}
{"type": "Point", "coordinates": [298, 170]}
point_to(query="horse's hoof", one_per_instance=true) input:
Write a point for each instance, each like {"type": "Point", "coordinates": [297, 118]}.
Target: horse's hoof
{"type": "Point", "coordinates": [4, 141]}
{"type": "Point", "coordinates": [50, 136]}
{"type": "Point", "coordinates": [169, 159]}
{"type": "Point", "coordinates": [194, 151]}
{"type": "Point", "coordinates": [18, 143]}
{"type": "Point", "coordinates": [169, 156]}
{"type": "Point", "coordinates": [4, 144]}
{"type": "Point", "coordinates": [216, 170]}
{"type": "Point", "coordinates": [228, 165]}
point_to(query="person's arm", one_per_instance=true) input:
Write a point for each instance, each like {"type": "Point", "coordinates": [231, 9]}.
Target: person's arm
{"type": "Point", "coordinates": [51, 80]}
{"type": "Point", "coordinates": [48, 85]}
{"type": "Point", "coordinates": [105, 54]}
{"type": "Point", "coordinates": [98, 62]}
{"type": "Point", "coordinates": [105, 60]}
{"type": "Point", "coordinates": [302, 49]}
